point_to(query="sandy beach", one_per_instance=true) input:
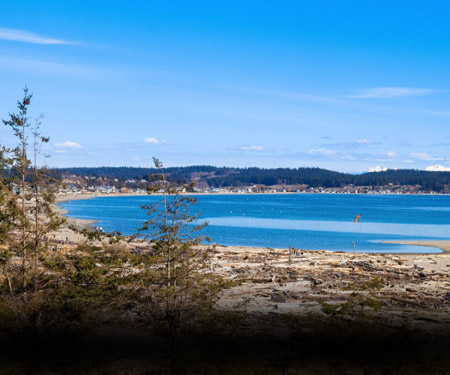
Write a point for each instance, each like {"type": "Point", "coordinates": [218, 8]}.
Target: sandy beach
{"type": "Point", "coordinates": [416, 287]}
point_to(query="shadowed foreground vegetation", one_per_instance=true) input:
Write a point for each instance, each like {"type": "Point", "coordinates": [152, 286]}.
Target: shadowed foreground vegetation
{"type": "Point", "coordinates": [99, 310]}
{"type": "Point", "coordinates": [311, 347]}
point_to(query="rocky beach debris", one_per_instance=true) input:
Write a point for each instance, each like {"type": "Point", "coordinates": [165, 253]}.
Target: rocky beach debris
{"type": "Point", "coordinates": [415, 287]}
{"type": "Point", "coordinates": [412, 287]}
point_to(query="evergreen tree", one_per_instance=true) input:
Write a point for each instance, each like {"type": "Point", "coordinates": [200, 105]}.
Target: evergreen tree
{"type": "Point", "coordinates": [20, 123]}
{"type": "Point", "coordinates": [27, 214]}
{"type": "Point", "coordinates": [179, 281]}
{"type": "Point", "coordinates": [44, 188]}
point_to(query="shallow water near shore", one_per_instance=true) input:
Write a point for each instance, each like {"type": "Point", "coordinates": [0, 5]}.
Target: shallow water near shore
{"type": "Point", "coordinates": [306, 221]}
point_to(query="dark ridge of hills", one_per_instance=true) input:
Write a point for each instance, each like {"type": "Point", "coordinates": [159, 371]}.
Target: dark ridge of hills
{"type": "Point", "coordinates": [216, 177]}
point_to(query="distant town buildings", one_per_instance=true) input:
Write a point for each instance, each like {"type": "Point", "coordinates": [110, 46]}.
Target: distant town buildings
{"type": "Point", "coordinates": [102, 185]}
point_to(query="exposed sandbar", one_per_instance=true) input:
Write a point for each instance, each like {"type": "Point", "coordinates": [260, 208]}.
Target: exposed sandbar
{"type": "Point", "coordinates": [444, 245]}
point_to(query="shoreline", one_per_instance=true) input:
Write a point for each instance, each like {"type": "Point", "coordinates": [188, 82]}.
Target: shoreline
{"type": "Point", "coordinates": [443, 245]}
{"type": "Point", "coordinates": [90, 195]}
{"type": "Point", "coordinates": [86, 196]}
{"type": "Point", "coordinates": [64, 231]}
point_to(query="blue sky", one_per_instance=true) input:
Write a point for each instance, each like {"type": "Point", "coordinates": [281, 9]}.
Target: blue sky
{"type": "Point", "coordinates": [343, 85]}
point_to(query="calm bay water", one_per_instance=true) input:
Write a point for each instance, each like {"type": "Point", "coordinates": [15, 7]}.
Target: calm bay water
{"type": "Point", "coordinates": [306, 221]}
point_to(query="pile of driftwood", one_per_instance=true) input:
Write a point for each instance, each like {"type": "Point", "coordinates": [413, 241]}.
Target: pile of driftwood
{"type": "Point", "coordinates": [300, 281]}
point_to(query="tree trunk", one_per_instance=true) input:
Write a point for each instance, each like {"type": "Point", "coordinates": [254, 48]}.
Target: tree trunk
{"type": "Point", "coordinates": [24, 218]}
{"type": "Point", "coordinates": [36, 214]}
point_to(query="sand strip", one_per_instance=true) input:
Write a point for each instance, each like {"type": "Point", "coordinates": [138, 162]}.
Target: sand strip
{"type": "Point", "coordinates": [444, 245]}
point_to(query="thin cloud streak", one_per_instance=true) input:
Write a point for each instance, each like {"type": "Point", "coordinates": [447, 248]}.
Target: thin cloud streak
{"type": "Point", "coordinates": [68, 145]}
{"type": "Point", "coordinates": [48, 68]}
{"type": "Point", "coordinates": [423, 156]}
{"type": "Point", "coordinates": [252, 148]}
{"type": "Point", "coordinates": [344, 101]}
{"type": "Point", "coordinates": [24, 36]}
{"type": "Point", "coordinates": [288, 95]}
{"type": "Point", "coordinates": [154, 141]}
{"type": "Point", "coordinates": [359, 143]}
{"type": "Point", "coordinates": [392, 92]}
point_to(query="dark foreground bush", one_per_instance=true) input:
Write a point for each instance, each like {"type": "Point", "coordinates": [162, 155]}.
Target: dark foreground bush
{"type": "Point", "coordinates": [232, 343]}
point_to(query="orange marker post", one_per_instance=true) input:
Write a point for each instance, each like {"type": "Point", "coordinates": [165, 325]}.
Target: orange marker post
{"type": "Point", "coordinates": [358, 217]}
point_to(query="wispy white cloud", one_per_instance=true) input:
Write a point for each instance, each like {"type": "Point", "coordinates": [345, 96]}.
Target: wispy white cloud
{"type": "Point", "coordinates": [435, 112]}
{"type": "Point", "coordinates": [392, 92]}
{"type": "Point", "coordinates": [437, 168]}
{"type": "Point", "coordinates": [68, 145]}
{"type": "Point", "coordinates": [355, 155]}
{"type": "Point", "coordinates": [423, 156]}
{"type": "Point", "coordinates": [332, 154]}
{"type": "Point", "coordinates": [321, 152]}
{"type": "Point", "coordinates": [293, 95]}
{"type": "Point", "coordinates": [154, 141]}
{"type": "Point", "coordinates": [24, 36]}
{"type": "Point", "coordinates": [48, 68]}
{"type": "Point", "coordinates": [359, 143]}
{"type": "Point", "coordinates": [390, 154]}
{"type": "Point", "coordinates": [252, 148]}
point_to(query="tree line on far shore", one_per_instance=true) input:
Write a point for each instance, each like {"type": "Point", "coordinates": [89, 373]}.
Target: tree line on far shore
{"type": "Point", "coordinates": [217, 177]}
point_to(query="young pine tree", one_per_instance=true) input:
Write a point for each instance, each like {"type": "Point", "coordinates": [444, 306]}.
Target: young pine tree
{"type": "Point", "coordinates": [9, 211]}
{"type": "Point", "coordinates": [20, 123]}
{"type": "Point", "coordinates": [26, 214]}
{"type": "Point", "coordinates": [179, 282]}
{"type": "Point", "coordinates": [45, 219]}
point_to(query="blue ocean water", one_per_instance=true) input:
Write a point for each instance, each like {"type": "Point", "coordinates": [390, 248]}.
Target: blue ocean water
{"type": "Point", "coordinates": [305, 221]}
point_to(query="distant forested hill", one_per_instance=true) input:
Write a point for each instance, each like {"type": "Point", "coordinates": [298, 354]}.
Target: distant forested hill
{"type": "Point", "coordinates": [315, 177]}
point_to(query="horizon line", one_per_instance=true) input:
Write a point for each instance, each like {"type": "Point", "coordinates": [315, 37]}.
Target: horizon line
{"type": "Point", "coordinates": [254, 167]}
